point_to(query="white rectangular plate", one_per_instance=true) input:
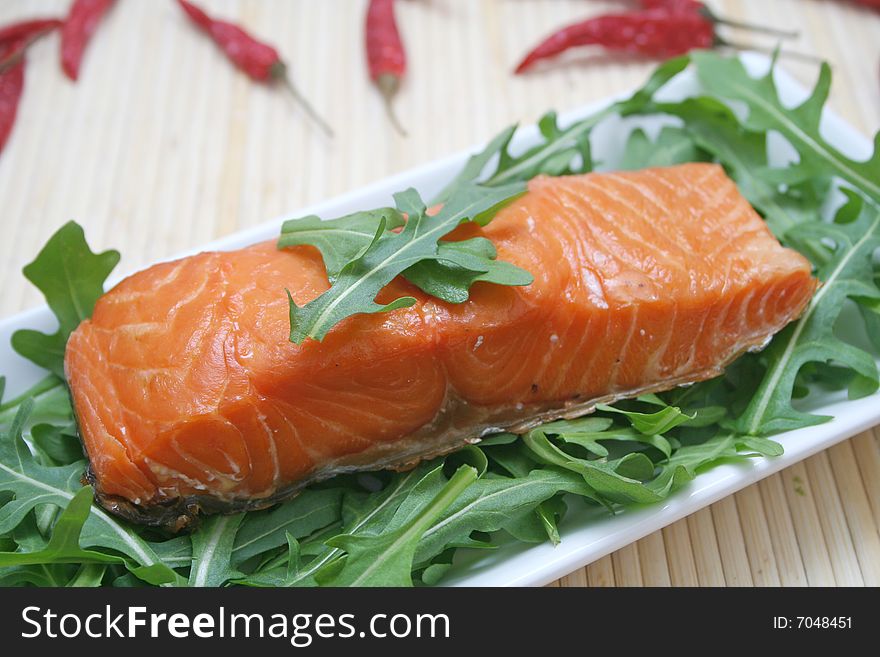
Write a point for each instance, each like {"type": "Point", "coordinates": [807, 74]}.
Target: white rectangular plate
{"type": "Point", "coordinates": [587, 534]}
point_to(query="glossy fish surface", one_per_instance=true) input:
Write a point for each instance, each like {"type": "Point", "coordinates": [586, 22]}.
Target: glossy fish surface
{"type": "Point", "coordinates": [190, 398]}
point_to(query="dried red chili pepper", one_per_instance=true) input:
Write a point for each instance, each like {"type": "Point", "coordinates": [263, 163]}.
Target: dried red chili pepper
{"type": "Point", "coordinates": [653, 33]}
{"type": "Point", "coordinates": [258, 60]}
{"type": "Point", "coordinates": [27, 29]}
{"type": "Point", "coordinates": [386, 56]}
{"type": "Point", "coordinates": [702, 8]}
{"type": "Point", "coordinates": [81, 23]}
{"type": "Point", "coordinates": [11, 85]}
{"type": "Point", "coordinates": [14, 41]}
{"type": "Point", "coordinates": [16, 37]}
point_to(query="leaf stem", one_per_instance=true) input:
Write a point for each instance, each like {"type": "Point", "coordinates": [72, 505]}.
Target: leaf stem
{"type": "Point", "coordinates": [463, 477]}
{"type": "Point", "coordinates": [319, 561]}
{"type": "Point", "coordinates": [43, 386]}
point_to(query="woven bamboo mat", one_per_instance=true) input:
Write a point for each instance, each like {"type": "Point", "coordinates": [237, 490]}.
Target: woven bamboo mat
{"type": "Point", "coordinates": [161, 147]}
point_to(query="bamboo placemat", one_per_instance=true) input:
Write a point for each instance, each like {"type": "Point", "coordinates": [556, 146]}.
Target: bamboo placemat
{"type": "Point", "coordinates": [161, 146]}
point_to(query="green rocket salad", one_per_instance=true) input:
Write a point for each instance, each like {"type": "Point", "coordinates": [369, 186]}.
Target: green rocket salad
{"type": "Point", "coordinates": [406, 528]}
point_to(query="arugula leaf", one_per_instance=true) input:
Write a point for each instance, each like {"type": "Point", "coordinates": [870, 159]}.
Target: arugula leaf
{"type": "Point", "coordinates": [727, 77]}
{"type": "Point", "coordinates": [51, 404]}
{"type": "Point", "coordinates": [71, 277]}
{"type": "Point", "coordinates": [660, 421]}
{"type": "Point", "coordinates": [588, 432]}
{"type": "Point", "coordinates": [716, 129]}
{"type": "Point", "coordinates": [64, 545]}
{"type": "Point", "coordinates": [212, 551]}
{"type": "Point", "coordinates": [292, 557]}
{"type": "Point", "coordinates": [633, 477]}
{"type": "Point", "coordinates": [561, 151]}
{"type": "Point", "coordinates": [89, 575]}
{"type": "Point", "coordinates": [561, 148]}
{"type": "Point", "coordinates": [366, 513]}
{"type": "Point", "coordinates": [551, 513]}
{"type": "Point", "coordinates": [871, 317]}
{"type": "Point", "coordinates": [57, 445]}
{"type": "Point", "coordinates": [174, 552]}
{"type": "Point", "coordinates": [591, 441]}
{"type": "Point", "coordinates": [473, 169]}
{"type": "Point", "coordinates": [339, 240]}
{"type": "Point", "coordinates": [612, 481]}
{"type": "Point", "coordinates": [389, 254]}
{"type": "Point", "coordinates": [387, 559]}
{"type": "Point", "coordinates": [461, 264]}
{"type": "Point", "coordinates": [42, 575]}
{"type": "Point", "coordinates": [449, 277]}
{"type": "Point", "coordinates": [30, 483]}
{"type": "Point", "coordinates": [311, 510]}
{"type": "Point", "coordinates": [673, 145]}
{"type": "Point", "coordinates": [811, 338]}
{"type": "Point", "coordinates": [490, 504]}
{"type": "Point", "coordinates": [33, 485]}
{"type": "Point", "coordinates": [512, 459]}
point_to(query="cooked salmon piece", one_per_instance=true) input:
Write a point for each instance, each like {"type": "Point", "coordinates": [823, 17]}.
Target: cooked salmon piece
{"type": "Point", "coordinates": [190, 397]}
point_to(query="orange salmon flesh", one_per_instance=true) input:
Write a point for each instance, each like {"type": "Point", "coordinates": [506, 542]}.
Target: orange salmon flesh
{"type": "Point", "coordinates": [190, 397]}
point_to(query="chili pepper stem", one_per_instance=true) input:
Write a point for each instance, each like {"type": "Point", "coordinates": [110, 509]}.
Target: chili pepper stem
{"type": "Point", "coordinates": [753, 27]}
{"type": "Point", "coordinates": [388, 85]}
{"type": "Point", "coordinates": [279, 73]}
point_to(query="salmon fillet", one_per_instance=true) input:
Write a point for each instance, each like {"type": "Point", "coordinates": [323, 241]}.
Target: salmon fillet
{"type": "Point", "coordinates": [190, 398]}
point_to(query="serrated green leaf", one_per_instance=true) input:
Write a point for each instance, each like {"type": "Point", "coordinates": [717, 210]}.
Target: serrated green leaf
{"type": "Point", "coordinates": [625, 434]}
{"type": "Point", "coordinates": [71, 277]}
{"type": "Point", "coordinates": [498, 439]}
{"type": "Point", "coordinates": [555, 155]}
{"type": "Point", "coordinates": [55, 575]}
{"type": "Point", "coordinates": [387, 559]}
{"type": "Point", "coordinates": [461, 264]}
{"type": "Point", "coordinates": [339, 240]}
{"type": "Point", "coordinates": [458, 265]}
{"type": "Point", "coordinates": [64, 544]}
{"type": "Point", "coordinates": [811, 338]}
{"type": "Point", "coordinates": [34, 485]}
{"type": "Point", "coordinates": [366, 513]}
{"type": "Point", "coordinates": [434, 573]}
{"type": "Point", "coordinates": [473, 168]}
{"type": "Point", "coordinates": [762, 446]}
{"type": "Point", "coordinates": [587, 424]}
{"type": "Point", "coordinates": [512, 459]}
{"type": "Point", "coordinates": [673, 145]}
{"type": "Point", "coordinates": [306, 513]}
{"type": "Point", "coordinates": [389, 254]}
{"type": "Point", "coordinates": [490, 504]}
{"type": "Point", "coordinates": [705, 416]}
{"type": "Point", "coordinates": [561, 147]}
{"type": "Point", "coordinates": [652, 424]}
{"type": "Point", "coordinates": [292, 556]}
{"type": "Point", "coordinates": [51, 404]}
{"type": "Point", "coordinates": [727, 77]}
{"type": "Point", "coordinates": [58, 445]}
{"type": "Point", "coordinates": [600, 475]}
